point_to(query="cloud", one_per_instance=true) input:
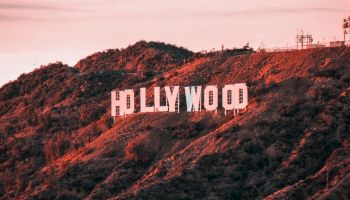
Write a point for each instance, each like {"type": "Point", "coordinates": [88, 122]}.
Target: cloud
{"type": "Point", "coordinates": [268, 11]}
{"type": "Point", "coordinates": [16, 6]}
{"type": "Point", "coordinates": [32, 7]}
{"type": "Point", "coordinates": [12, 18]}
{"type": "Point", "coordinates": [19, 12]}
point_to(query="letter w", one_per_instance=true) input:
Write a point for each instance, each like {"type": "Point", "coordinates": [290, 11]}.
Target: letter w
{"type": "Point", "coordinates": [193, 98]}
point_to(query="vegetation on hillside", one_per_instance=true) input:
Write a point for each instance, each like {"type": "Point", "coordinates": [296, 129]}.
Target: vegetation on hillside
{"type": "Point", "coordinates": [57, 140]}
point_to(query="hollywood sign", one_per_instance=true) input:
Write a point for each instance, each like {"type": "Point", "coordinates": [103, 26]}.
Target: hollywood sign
{"type": "Point", "coordinates": [234, 98]}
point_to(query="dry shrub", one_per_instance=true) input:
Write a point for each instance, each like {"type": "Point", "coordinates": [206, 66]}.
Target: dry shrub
{"type": "Point", "coordinates": [89, 133]}
{"type": "Point", "coordinates": [57, 146]}
{"type": "Point", "coordinates": [186, 130]}
{"type": "Point", "coordinates": [141, 149]}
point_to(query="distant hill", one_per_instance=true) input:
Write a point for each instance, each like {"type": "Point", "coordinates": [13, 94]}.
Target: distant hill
{"type": "Point", "coordinates": [140, 57]}
{"type": "Point", "coordinates": [58, 141]}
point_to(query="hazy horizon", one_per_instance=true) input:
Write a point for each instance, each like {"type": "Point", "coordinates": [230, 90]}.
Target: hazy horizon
{"type": "Point", "coordinates": [35, 33]}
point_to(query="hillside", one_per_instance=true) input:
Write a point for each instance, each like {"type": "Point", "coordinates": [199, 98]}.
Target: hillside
{"type": "Point", "coordinates": [141, 57]}
{"type": "Point", "coordinates": [59, 142]}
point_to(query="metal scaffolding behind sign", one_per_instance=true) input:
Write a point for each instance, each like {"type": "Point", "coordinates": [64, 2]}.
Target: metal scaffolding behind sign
{"type": "Point", "coordinates": [302, 40]}
{"type": "Point", "coordinates": [346, 27]}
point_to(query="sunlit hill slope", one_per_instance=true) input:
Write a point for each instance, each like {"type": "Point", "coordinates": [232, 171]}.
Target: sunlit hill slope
{"type": "Point", "coordinates": [58, 140]}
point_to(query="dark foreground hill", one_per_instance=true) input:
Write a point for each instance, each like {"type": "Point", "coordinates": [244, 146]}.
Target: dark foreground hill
{"type": "Point", "coordinates": [293, 142]}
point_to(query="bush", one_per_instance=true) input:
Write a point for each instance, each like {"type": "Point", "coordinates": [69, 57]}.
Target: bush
{"type": "Point", "coordinates": [149, 74]}
{"type": "Point", "coordinates": [91, 132]}
{"type": "Point", "coordinates": [140, 149]}
{"type": "Point", "coordinates": [57, 146]}
{"type": "Point", "coordinates": [108, 122]}
{"type": "Point", "coordinates": [251, 147]}
{"type": "Point", "coordinates": [90, 113]}
{"type": "Point", "coordinates": [185, 131]}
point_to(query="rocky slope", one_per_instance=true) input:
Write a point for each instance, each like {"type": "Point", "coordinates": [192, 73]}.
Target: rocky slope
{"type": "Point", "coordinates": [58, 140]}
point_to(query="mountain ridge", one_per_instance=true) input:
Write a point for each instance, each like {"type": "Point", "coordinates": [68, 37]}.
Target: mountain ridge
{"type": "Point", "coordinates": [58, 140]}
{"type": "Point", "coordinates": [140, 56]}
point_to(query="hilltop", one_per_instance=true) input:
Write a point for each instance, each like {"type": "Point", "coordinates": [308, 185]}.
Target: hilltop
{"type": "Point", "coordinates": [58, 140]}
{"type": "Point", "coordinates": [141, 57]}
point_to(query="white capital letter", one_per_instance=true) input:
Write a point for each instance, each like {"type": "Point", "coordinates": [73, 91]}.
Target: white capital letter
{"type": "Point", "coordinates": [227, 97]}
{"type": "Point", "coordinates": [211, 98]}
{"type": "Point", "coordinates": [157, 105]}
{"type": "Point", "coordinates": [144, 107]}
{"type": "Point", "coordinates": [128, 99]}
{"type": "Point", "coordinates": [240, 96]}
{"type": "Point", "coordinates": [193, 98]}
{"type": "Point", "coordinates": [172, 97]}
{"type": "Point", "coordinates": [116, 103]}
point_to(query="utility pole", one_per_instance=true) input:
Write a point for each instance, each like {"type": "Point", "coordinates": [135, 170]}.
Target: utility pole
{"type": "Point", "coordinates": [346, 26]}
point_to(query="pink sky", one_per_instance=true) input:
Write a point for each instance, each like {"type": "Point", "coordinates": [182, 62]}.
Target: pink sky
{"type": "Point", "coordinates": [38, 32]}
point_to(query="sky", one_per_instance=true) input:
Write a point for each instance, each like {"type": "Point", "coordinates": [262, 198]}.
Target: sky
{"type": "Point", "coordinates": [37, 32]}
